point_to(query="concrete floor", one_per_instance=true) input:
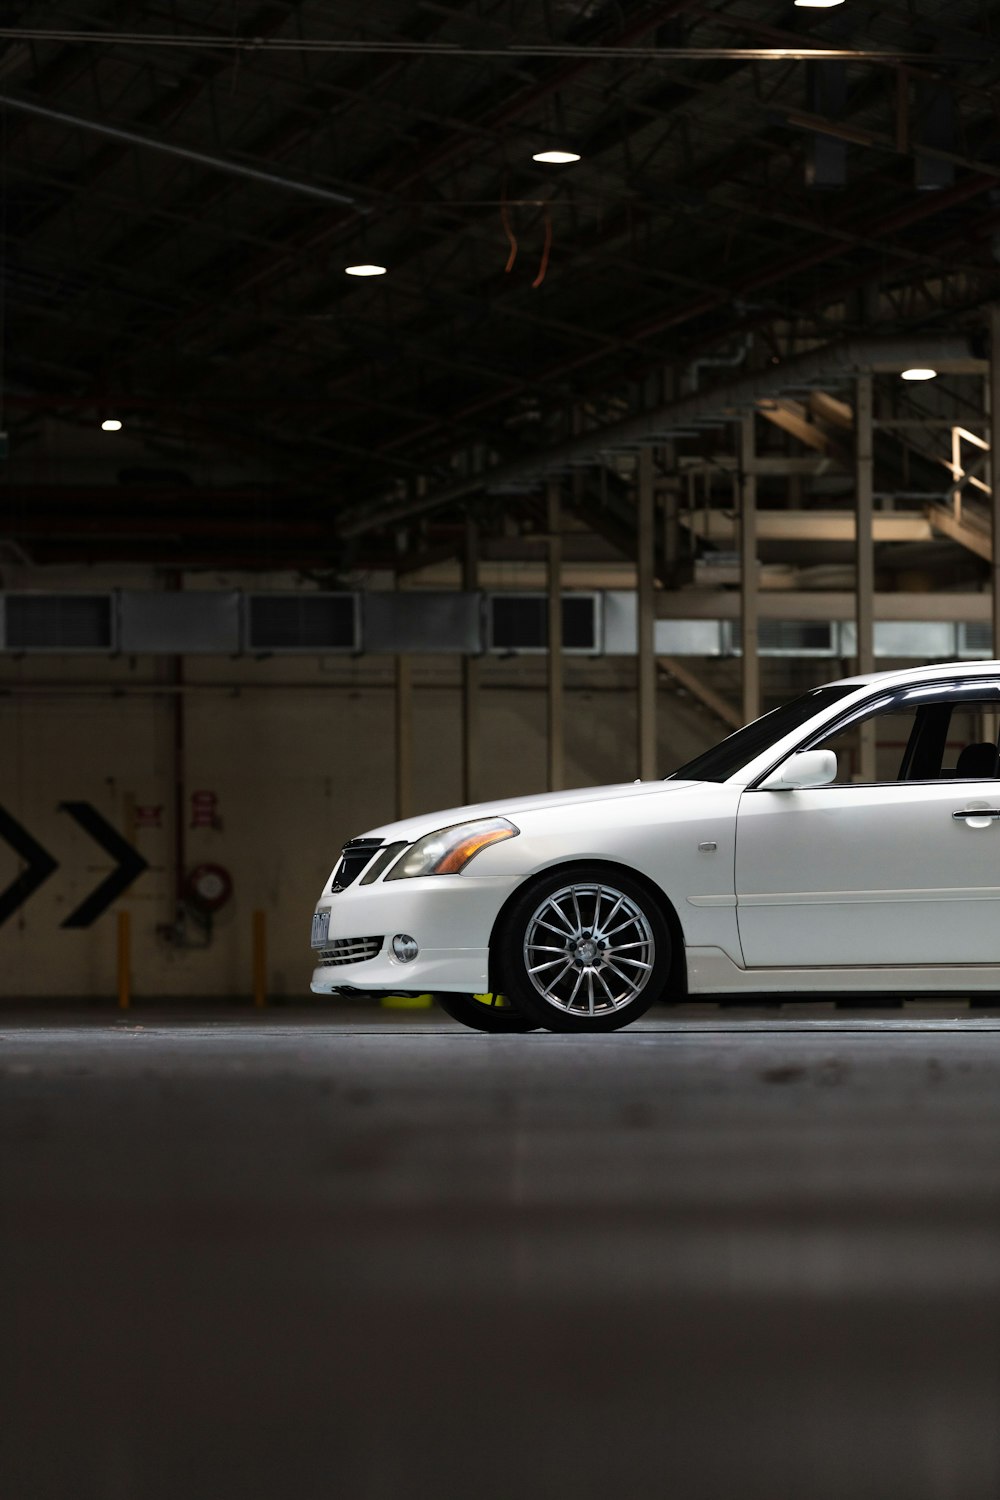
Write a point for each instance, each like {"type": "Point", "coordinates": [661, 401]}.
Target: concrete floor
{"type": "Point", "coordinates": [366, 1256]}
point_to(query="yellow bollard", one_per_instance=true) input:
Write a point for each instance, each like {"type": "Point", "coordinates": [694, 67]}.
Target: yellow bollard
{"type": "Point", "coordinates": [260, 959]}
{"type": "Point", "coordinates": [124, 960]}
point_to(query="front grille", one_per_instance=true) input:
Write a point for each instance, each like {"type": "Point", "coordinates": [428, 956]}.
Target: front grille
{"type": "Point", "coordinates": [349, 951]}
{"type": "Point", "coordinates": [353, 858]}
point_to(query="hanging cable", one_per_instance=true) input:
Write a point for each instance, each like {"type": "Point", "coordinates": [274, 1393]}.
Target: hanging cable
{"type": "Point", "coordinates": [505, 221]}
{"type": "Point", "coordinates": [546, 247]}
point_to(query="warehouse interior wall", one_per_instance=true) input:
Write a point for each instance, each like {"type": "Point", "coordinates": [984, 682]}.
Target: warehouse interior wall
{"type": "Point", "coordinates": [282, 760]}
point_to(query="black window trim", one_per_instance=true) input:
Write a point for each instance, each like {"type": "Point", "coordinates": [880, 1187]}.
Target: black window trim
{"type": "Point", "coordinates": [862, 710]}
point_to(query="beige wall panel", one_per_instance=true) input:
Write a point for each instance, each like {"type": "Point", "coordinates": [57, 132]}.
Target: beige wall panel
{"type": "Point", "coordinates": [437, 749]}
{"type": "Point", "coordinates": [111, 754]}
{"type": "Point", "coordinates": [298, 766]}
{"type": "Point", "coordinates": [296, 772]}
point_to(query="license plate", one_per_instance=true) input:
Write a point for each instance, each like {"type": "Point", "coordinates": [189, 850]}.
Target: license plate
{"type": "Point", "coordinates": [320, 929]}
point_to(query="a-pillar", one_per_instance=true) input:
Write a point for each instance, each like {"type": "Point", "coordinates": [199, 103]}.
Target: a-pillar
{"type": "Point", "coordinates": [555, 732]}
{"type": "Point", "coordinates": [749, 573]}
{"type": "Point", "coordinates": [864, 611]}
{"type": "Point", "coordinates": [645, 622]}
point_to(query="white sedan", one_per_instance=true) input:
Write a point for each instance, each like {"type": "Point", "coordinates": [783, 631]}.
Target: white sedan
{"type": "Point", "coordinates": [848, 842]}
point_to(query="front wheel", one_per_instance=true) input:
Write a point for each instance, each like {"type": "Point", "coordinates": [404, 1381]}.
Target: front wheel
{"type": "Point", "coordinates": [485, 1013]}
{"type": "Point", "coordinates": [583, 950]}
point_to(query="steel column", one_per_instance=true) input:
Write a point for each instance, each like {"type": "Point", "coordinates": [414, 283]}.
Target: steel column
{"type": "Point", "coordinates": [471, 673]}
{"type": "Point", "coordinates": [404, 732]}
{"type": "Point", "coordinates": [671, 529]}
{"type": "Point", "coordinates": [749, 602]}
{"type": "Point", "coordinates": [556, 741]}
{"type": "Point", "coordinates": [994, 467]}
{"type": "Point", "coordinates": [865, 556]}
{"type": "Point", "coordinates": [646, 616]}
{"type": "Point", "coordinates": [404, 737]}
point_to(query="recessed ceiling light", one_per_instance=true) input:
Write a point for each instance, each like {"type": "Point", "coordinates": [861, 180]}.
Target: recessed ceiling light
{"type": "Point", "coordinates": [365, 270]}
{"type": "Point", "coordinates": [111, 424]}
{"type": "Point", "coordinates": [557, 158]}
{"type": "Point", "coordinates": [916, 374]}
{"type": "Point", "coordinates": [818, 4]}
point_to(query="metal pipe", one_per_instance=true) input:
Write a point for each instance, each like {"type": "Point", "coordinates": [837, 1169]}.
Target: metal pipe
{"type": "Point", "coordinates": [215, 163]}
{"type": "Point", "coordinates": [645, 619]}
{"type": "Point", "coordinates": [124, 960]}
{"type": "Point", "coordinates": [690, 377]}
{"type": "Point", "coordinates": [404, 736]}
{"type": "Point", "coordinates": [749, 583]}
{"type": "Point", "coordinates": [471, 672]}
{"type": "Point", "coordinates": [865, 557]}
{"type": "Point", "coordinates": [416, 47]}
{"type": "Point", "coordinates": [993, 396]}
{"type": "Point", "coordinates": [178, 736]}
{"type": "Point", "coordinates": [524, 680]}
{"type": "Point", "coordinates": [554, 736]}
{"type": "Point", "coordinates": [259, 959]}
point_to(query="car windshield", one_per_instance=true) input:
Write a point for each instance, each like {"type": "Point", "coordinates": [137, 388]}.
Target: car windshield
{"type": "Point", "coordinates": [726, 758]}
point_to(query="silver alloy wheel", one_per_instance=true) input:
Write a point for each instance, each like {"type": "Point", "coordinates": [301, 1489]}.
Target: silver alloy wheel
{"type": "Point", "coordinates": [589, 949]}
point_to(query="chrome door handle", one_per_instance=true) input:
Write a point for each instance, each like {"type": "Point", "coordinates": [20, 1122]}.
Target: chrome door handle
{"type": "Point", "coordinates": [977, 812]}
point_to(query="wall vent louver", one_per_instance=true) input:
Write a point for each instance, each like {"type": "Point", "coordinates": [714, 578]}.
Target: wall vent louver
{"type": "Point", "coordinates": [975, 639]}
{"type": "Point", "coordinates": [519, 622]}
{"type": "Point", "coordinates": [302, 622]}
{"type": "Point", "coordinates": [789, 638]}
{"type": "Point", "coordinates": [58, 622]}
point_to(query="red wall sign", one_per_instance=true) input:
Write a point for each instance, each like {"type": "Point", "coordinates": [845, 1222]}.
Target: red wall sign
{"type": "Point", "coordinates": [205, 810]}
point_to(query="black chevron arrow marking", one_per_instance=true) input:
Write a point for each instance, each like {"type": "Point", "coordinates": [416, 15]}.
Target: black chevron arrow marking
{"type": "Point", "coordinates": [130, 864]}
{"type": "Point", "coordinates": [40, 865]}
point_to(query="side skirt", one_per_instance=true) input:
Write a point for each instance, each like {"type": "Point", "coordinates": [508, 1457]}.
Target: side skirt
{"type": "Point", "coordinates": [713, 972]}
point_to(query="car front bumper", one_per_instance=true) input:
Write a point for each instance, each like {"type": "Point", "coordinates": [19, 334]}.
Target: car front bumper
{"type": "Point", "coordinates": [450, 917]}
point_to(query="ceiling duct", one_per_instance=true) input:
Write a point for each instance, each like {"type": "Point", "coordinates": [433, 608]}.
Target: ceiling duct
{"type": "Point", "coordinates": [826, 161]}
{"type": "Point", "coordinates": [934, 128]}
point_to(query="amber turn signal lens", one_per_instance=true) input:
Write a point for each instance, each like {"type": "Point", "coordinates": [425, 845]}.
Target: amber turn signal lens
{"type": "Point", "coordinates": [456, 858]}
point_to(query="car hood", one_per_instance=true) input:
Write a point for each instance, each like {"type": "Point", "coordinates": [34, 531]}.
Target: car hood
{"type": "Point", "coordinates": [513, 807]}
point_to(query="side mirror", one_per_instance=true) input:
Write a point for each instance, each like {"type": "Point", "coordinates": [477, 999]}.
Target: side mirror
{"type": "Point", "coordinates": [807, 768]}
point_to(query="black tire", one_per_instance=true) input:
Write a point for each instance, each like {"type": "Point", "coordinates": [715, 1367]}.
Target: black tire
{"type": "Point", "coordinates": [485, 1015]}
{"type": "Point", "coordinates": [609, 944]}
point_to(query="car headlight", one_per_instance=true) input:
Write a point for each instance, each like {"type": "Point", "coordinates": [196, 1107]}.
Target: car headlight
{"type": "Point", "coordinates": [449, 849]}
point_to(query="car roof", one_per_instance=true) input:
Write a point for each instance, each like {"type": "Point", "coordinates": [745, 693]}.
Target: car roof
{"type": "Point", "coordinates": [920, 674]}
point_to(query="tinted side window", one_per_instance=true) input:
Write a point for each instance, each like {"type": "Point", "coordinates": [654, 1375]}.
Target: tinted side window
{"type": "Point", "coordinates": [937, 731]}
{"type": "Point", "coordinates": [892, 729]}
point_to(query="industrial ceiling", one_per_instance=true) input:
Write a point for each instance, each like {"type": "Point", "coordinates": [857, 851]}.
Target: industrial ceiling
{"type": "Point", "coordinates": [184, 186]}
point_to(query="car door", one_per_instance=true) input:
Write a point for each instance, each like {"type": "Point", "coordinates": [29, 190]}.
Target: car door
{"type": "Point", "coordinates": [892, 872]}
